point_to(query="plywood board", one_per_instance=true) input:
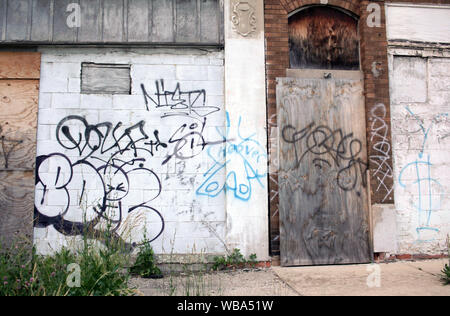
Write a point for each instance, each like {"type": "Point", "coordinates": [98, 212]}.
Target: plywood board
{"type": "Point", "coordinates": [19, 93]}
{"type": "Point", "coordinates": [322, 178]}
{"type": "Point", "coordinates": [20, 65]}
{"type": "Point", "coordinates": [110, 79]}
{"type": "Point", "coordinates": [16, 204]}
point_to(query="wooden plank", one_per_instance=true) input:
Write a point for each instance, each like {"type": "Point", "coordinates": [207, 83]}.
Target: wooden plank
{"type": "Point", "coordinates": [18, 123]}
{"type": "Point", "coordinates": [316, 40]}
{"type": "Point", "coordinates": [187, 21]}
{"type": "Point", "coordinates": [42, 24]}
{"type": "Point", "coordinates": [162, 19]}
{"type": "Point", "coordinates": [138, 20]}
{"type": "Point", "coordinates": [16, 205]}
{"type": "Point", "coordinates": [113, 21]}
{"type": "Point", "coordinates": [20, 65]}
{"type": "Point", "coordinates": [101, 79]}
{"type": "Point", "coordinates": [323, 172]}
{"type": "Point", "coordinates": [92, 19]}
{"type": "Point", "coordinates": [62, 33]}
{"type": "Point", "coordinates": [17, 17]}
{"type": "Point", "coordinates": [209, 21]}
{"type": "Point", "coordinates": [2, 19]}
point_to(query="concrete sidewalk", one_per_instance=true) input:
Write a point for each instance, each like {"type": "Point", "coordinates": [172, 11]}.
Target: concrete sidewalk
{"type": "Point", "coordinates": [399, 278]}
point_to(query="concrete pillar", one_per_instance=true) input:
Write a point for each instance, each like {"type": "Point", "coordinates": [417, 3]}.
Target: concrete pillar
{"type": "Point", "coordinates": [245, 102]}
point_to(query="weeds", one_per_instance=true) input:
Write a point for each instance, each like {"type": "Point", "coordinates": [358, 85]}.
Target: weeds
{"type": "Point", "coordinates": [145, 265]}
{"type": "Point", "coordinates": [446, 271]}
{"type": "Point", "coordinates": [25, 274]}
{"type": "Point", "coordinates": [99, 260]}
{"type": "Point", "coordinates": [234, 260]}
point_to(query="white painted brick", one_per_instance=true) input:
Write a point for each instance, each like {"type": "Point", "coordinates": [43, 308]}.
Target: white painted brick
{"type": "Point", "coordinates": [176, 60]}
{"type": "Point", "coordinates": [217, 61]}
{"type": "Point", "coordinates": [74, 85]}
{"type": "Point", "coordinates": [49, 84]}
{"type": "Point", "coordinates": [179, 183]}
{"type": "Point", "coordinates": [409, 80]}
{"type": "Point", "coordinates": [214, 88]}
{"type": "Point", "coordinates": [215, 73]}
{"type": "Point", "coordinates": [65, 101]}
{"type": "Point", "coordinates": [45, 100]}
{"type": "Point", "coordinates": [93, 101]}
{"type": "Point", "coordinates": [115, 117]}
{"type": "Point", "coordinates": [194, 73]}
{"type": "Point", "coordinates": [146, 74]}
{"type": "Point", "coordinates": [50, 116]}
{"type": "Point", "coordinates": [201, 60]}
{"type": "Point", "coordinates": [129, 102]}
{"type": "Point", "coordinates": [44, 132]}
{"type": "Point", "coordinates": [425, 130]}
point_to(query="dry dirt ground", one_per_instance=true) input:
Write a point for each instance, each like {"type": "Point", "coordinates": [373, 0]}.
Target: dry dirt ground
{"type": "Point", "coordinates": [262, 282]}
{"type": "Point", "coordinates": [400, 278]}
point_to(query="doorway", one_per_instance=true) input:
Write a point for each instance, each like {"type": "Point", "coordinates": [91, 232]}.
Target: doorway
{"type": "Point", "coordinates": [322, 178]}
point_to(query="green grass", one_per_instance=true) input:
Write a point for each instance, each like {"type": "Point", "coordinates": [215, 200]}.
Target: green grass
{"type": "Point", "coordinates": [234, 260]}
{"type": "Point", "coordinates": [145, 265]}
{"type": "Point", "coordinates": [446, 271]}
{"type": "Point", "coordinates": [446, 275]}
{"type": "Point", "coordinates": [25, 273]}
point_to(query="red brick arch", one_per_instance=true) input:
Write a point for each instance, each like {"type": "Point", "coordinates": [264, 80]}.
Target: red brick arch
{"type": "Point", "coordinates": [350, 5]}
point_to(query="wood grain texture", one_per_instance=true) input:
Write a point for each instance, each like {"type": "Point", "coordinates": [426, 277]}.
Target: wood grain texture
{"type": "Point", "coordinates": [187, 21]}
{"type": "Point", "coordinates": [163, 28]}
{"type": "Point", "coordinates": [323, 38]}
{"type": "Point", "coordinates": [40, 22]}
{"type": "Point", "coordinates": [18, 19]}
{"type": "Point", "coordinates": [323, 195]}
{"type": "Point", "coordinates": [138, 20]}
{"type": "Point", "coordinates": [92, 23]}
{"type": "Point", "coordinates": [16, 204]}
{"type": "Point", "coordinates": [109, 79]}
{"type": "Point", "coordinates": [113, 22]}
{"type": "Point", "coordinates": [20, 65]}
{"type": "Point", "coordinates": [18, 124]}
{"type": "Point", "coordinates": [18, 105]}
{"type": "Point", "coordinates": [62, 33]}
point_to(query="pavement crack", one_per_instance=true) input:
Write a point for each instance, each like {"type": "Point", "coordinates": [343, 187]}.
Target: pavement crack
{"type": "Point", "coordinates": [286, 283]}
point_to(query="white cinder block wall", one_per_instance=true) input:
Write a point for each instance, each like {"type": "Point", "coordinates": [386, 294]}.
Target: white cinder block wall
{"type": "Point", "coordinates": [419, 71]}
{"type": "Point", "coordinates": [148, 170]}
{"type": "Point", "coordinates": [420, 105]}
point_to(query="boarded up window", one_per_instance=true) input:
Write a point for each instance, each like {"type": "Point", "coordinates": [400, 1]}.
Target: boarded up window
{"type": "Point", "coordinates": [323, 38]}
{"type": "Point", "coordinates": [105, 79]}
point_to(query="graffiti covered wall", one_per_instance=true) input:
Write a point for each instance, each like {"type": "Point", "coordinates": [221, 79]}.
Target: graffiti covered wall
{"type": "Point", "coordinates": [421, 129]}
{"type": "Point", "coordinates": [152, 161]}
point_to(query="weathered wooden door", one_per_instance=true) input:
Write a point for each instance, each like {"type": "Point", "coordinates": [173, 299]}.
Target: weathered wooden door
{"type": "Point", "coordinates": [322, 174]}
{"type": "Point", "coordinates": [19, 94]}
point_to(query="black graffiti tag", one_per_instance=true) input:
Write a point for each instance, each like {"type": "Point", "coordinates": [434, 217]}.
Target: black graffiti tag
{"type": "Point", "coordinates": [323, 142]}
{"type": "Point", "coordinates": [177, 101]}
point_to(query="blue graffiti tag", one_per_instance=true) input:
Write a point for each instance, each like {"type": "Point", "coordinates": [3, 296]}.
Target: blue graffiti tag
{"type": "Point", "coordinates": [425, 131]}
{"type": "Point", "coordinates": [243, 162]}
{"type": "Point", "coordinates": [425, 187]}
{"type": "Point", "coordinates": [429, 190]}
